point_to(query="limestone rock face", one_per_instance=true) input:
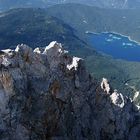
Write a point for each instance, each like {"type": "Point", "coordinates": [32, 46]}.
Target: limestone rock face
{"type": "Point", "coordinates": [49, 95]}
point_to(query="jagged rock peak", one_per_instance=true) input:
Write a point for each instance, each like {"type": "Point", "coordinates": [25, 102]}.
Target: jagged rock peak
{"type": "Point", "coordinates": [47, 94]}
{"type": "Point", "coordinates": [54, 54]}
{"type": "Point", "coordinates": [105, 85]}
{"type": "Point", "coordinates": [116, 98]}
{"type": "Point", "coordinates": [55, 47]}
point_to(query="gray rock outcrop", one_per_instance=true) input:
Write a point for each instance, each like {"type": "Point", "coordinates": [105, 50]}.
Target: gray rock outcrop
{"type": "Point", "coordinates": [49, 95]}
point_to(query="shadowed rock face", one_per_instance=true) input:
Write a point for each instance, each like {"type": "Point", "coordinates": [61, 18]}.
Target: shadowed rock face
{"type": "Point", "coordinates": [49, 95]}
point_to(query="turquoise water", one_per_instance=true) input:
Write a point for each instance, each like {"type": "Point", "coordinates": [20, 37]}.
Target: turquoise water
{"type": "Point", "coordinates": [118, 46]}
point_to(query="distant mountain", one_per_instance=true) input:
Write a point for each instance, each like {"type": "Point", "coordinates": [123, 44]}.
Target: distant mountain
{"type": "Point", "coordinates": [117, 4]}
{"type": "Point", "coordinates": [10, 4]}
{"type": "Point", "coordinates": [34, 27]}
{"type": "Point", "coordinates": [124, 21]}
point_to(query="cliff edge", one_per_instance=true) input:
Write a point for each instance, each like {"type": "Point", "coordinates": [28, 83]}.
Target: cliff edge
{"type": "Point", "coordinates": [45, 94]}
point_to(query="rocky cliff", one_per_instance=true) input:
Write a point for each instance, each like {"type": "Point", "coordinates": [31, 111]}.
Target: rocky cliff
{"type": "Point", "coordinates": [45, 94]}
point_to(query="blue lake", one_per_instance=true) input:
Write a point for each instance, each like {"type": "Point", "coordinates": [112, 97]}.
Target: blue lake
{"type": "Point", "coordinates": [118, 46]}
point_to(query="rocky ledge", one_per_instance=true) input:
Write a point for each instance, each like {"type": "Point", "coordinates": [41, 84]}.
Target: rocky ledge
{"type": "Point", "coordinates": [45, 94]}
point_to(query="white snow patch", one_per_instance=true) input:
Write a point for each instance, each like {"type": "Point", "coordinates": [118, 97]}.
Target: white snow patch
{"type": "Point", "coordinates": [51, 45]}
{"type": "Point", "coordinates": [105, 85]}
{"type": "Point", "coordinates": [117, 99]}
{"type": "Point", "coordinates": [7, 50]}
{"type": "Point", "coordinates": [37, 50]}
{"type": "Point", "coordinates": [17, 48]}
{"type": "Point", "coordinates": [54, 47]}
{"type": "Point", "coordinates": [57, 46]}
{"type": "Point", "coordinates": [138, 107]}
{"type": "Point", "coordinates": [74, 63]}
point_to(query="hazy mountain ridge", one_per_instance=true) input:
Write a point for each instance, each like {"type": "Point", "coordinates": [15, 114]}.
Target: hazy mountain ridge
{"type": "Point", "coordinates": [100, 20]}
{"type": "Point", "coordinates": [117, 4]}
{"type": "Point", "coordinates": [37, 29]}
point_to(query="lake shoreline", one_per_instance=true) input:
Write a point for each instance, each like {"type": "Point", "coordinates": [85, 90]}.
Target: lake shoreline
{"type": "Point", "coordinates": [116, 45]}
{"type": "Point", "coordinates": [113, 32]}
